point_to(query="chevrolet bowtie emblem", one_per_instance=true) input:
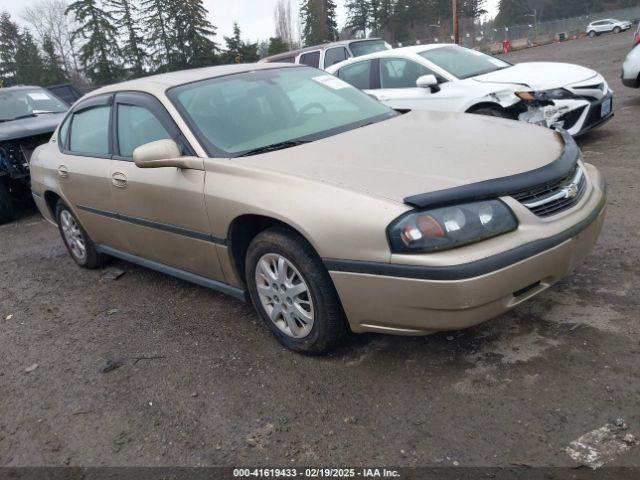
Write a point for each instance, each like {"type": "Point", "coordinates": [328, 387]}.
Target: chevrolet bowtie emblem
{"type": "Point", "coordinates": [571, 191]}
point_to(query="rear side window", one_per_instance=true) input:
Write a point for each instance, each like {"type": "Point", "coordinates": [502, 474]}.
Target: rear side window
{"type": "Point", "coordinates": [311, 59]}
{"type": "Point", "coordinates": [358, 75]}
{"type": "Point", "coordinates": [90, 131]}
{"type": "Point", "coordinates": [137, 126]}
{"type": "Point", "coordinates": [64, 133]}
{"type": "Point", "coordinates": [335, 55]}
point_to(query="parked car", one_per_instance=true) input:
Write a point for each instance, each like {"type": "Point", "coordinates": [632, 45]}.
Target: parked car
{"type": "Point", "coordinates": [66, 92]}
{"type": "Point", "coordinates": [323, 56]}
{"type": "Point", "coordinates": [325, 208]}
{"type": "Point", "coordinates": [446, 77]}
{"type": "Point", "coordinates": [28, 117]}
{"type": "Point", "coordinates": [631, 66]}
{"type": "Point", "coordinates": [606, 26]}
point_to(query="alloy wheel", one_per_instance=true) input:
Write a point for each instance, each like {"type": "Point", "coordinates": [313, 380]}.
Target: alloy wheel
{"type": "Point", "coordinates": [73, 236]}
{"type": "Point", "coordinates": [284, 295]}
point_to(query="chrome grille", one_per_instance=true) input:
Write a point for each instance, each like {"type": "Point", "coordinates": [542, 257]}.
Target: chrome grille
{"type": "Point", "coordinates": [554, 197]}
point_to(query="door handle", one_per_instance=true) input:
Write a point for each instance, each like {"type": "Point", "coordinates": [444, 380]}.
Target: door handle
{"type": "Point", "coordinates": [63, 171]}
{"type": "Point", "coordinates": [119, 180]}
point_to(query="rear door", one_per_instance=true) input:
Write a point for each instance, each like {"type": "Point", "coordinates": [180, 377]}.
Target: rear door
{"type": "Point", "coordinates": [84, 169]}
{"type": "Point", "coordinates": [161, 210]}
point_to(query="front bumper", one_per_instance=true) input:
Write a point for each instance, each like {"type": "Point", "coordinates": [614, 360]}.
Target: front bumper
{"type": "Point", "coordinates": [593, 117]}
{"type": "Point", "coordinates": [411, 305]}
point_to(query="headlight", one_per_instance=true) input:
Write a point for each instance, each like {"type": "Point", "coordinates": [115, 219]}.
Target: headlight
{"type": "Point", "coordinates": [449, 227]}
{"type": "Point", "coordinates": [545, 95]}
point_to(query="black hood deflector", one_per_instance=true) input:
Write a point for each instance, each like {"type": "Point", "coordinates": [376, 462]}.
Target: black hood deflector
{"type": "Point", "coordinates": [504, 186]}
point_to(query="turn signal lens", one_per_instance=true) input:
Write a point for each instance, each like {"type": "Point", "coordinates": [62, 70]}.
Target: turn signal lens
{"type": "Point", "coordinates": [526, 96]}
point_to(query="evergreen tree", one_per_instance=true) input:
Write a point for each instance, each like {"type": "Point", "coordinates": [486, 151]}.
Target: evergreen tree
{"type": "Point", "coordinates": [8, 46]}
{"type": "Point", "coordinates": [100, 53]}
{"type": "Point", "coordinates": [276, 45]}
{"type": "Point", "coordinates": [319, 21]}
{"type": "Point", "coordinates": [157, 32]}
{"type": "Point", "coordinates": [52, 66]}
{"type": "Point", "coordinates": [29, 66]}
{"type": "Point", "coordinates": [359, 15]}
{"type": "Point", "coordinates": [125, 13]}
{"type": "Point", "coordinates": [194, 34]}
{"type": "Point", "coordinates": [239, 51]}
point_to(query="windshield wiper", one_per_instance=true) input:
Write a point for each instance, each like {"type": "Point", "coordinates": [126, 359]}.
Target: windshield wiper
{"type": "Point", "coordinates": [274, 147]}
{"type": "Point", "coordinates": [29, 115]}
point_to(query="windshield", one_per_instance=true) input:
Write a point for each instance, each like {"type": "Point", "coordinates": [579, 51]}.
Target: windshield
{"type": "Point", "coordinates": [237, 114]}
{"type": "Point", "coordinates": [370, 46]}
{"type": "Point", "coordinates": [27, 102]}
{"type": "Point", "coordinates": [462, 62]}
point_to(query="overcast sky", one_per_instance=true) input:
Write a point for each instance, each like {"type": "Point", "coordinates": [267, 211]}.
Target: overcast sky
{"type": "Point", "coordinates": [255, 17]}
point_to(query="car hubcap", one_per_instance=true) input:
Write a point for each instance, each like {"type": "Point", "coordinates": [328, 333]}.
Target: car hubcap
{"type": "Point", "coordinates": [284, 295]}
{"type": "Point", "coordinates": [73, 236]}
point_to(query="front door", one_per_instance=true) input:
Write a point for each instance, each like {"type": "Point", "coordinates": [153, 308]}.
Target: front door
{"type": "Point", "coordinates": [161, 210]}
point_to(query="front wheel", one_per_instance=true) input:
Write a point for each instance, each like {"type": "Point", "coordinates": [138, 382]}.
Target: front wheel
{"type": "Point", "coordinates": [293, 292]}
{"type": "Point", "coordinates": [78, 243]}
{"type": "Point", "coordinates": [6, 203]}
{"type": "Point", "coordinates": [617, 30]}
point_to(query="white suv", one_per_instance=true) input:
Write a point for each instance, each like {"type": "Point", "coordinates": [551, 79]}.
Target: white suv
{"type": "Point", "coordinates": [607, 25]}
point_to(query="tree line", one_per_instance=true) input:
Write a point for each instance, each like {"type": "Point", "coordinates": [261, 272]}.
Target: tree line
{"type": "Point", "coordinates": [518, 12]}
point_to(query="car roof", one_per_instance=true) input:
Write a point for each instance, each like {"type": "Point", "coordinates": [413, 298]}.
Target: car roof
{"type": "Point", "coordinates": [161, 82]}
{"type": "Point", "coordinates": [412, 50]}
{"type": "Point", "coordinates": [295, 53]}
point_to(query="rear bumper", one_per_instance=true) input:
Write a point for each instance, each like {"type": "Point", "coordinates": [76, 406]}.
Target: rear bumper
{"type": "Point", "coordinates": [413, 305]}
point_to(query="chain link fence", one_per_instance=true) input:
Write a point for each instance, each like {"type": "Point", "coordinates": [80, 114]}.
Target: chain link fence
{"type": "Point", "coordinates": [488, 37]}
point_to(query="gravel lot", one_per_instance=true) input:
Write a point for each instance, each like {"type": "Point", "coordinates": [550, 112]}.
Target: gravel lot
{"type": "Point", "coordinates": [203, 383]}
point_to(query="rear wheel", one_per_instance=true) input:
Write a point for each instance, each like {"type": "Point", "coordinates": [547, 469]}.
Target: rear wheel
{"type": "Point", "coordinates": [6, 203]}
{"type": "Point", "coordinates": [78, 243]}
{"type": "Point", "coordinates": [293, 293]}
{"type": "Point", "coordinates": [592, 34]}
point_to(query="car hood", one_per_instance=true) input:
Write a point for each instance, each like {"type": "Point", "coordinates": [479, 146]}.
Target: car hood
{"type": "Point", "coordinates": [27, 127]}
{"type": "Point", "coordinates": [539, 75]}
{"type": "Point", "coordinates": [418, 152]}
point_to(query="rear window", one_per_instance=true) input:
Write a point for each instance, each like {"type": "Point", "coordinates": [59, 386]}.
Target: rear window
{"type": "Point", "coordinates": [370, 46]}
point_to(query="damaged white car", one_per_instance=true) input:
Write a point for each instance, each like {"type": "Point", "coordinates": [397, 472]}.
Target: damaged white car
{"type": "Point", "coordinates": [447, 77]}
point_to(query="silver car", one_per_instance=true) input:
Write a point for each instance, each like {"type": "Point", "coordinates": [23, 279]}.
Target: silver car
{"type": "Point", "coordinates": [607, 25]}
{"type": "Point", "coordinates": [631, 66]}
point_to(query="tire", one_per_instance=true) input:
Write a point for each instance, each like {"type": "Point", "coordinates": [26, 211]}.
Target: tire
{"type": "Point", "coordinates": [493, 112]}
{"type": "Point", "coordinates": [324, 326]}
{"type": "Point", "coordinates": [617, 30]}
{"type": "Point", "coordinates": [6, 203]}
{"type": "Point", "coordinates": [592, 34]}
{"type": "Point", "coordinates": [75, 237]}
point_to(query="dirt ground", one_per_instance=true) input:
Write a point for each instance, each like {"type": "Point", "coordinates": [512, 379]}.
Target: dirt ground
{"type": "Point", "coordinates": [203, 383]}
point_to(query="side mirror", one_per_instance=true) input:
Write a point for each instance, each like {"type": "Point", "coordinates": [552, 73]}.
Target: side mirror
{"type": "Point", "coordinates": [428, 81]}
{"type": "Point", "coordinates": [164, 153]}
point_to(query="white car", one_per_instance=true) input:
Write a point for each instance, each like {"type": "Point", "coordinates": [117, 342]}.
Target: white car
{"type": "Point", "coordinates": [447, 77]}
{"type": "Point", "coordinates": [607, 25]}
{"type": "Point", "coordinates": [631, 67]}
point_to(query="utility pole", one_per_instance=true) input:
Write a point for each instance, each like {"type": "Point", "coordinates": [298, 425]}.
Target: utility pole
{"type": "Point", "coordinates": [456, 23]}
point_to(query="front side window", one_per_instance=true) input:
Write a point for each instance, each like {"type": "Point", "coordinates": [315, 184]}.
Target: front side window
{"type": "Point", "coordinates": [90, 131]}
{"type": "Point", "coordinates": [311, 59]}
{"type": "Point", "coordinates": [335, 55]}
{"type": "Point", "coordinates": [401, 73]}
{"type": "Point", "coordinates": [462, 62]}
{"type": "Point", "coordinates": [357, 74]}
{"type": "Point", "coordinates": [237, 114]}
{"type": "Point", "coordinates": [137, 126]}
